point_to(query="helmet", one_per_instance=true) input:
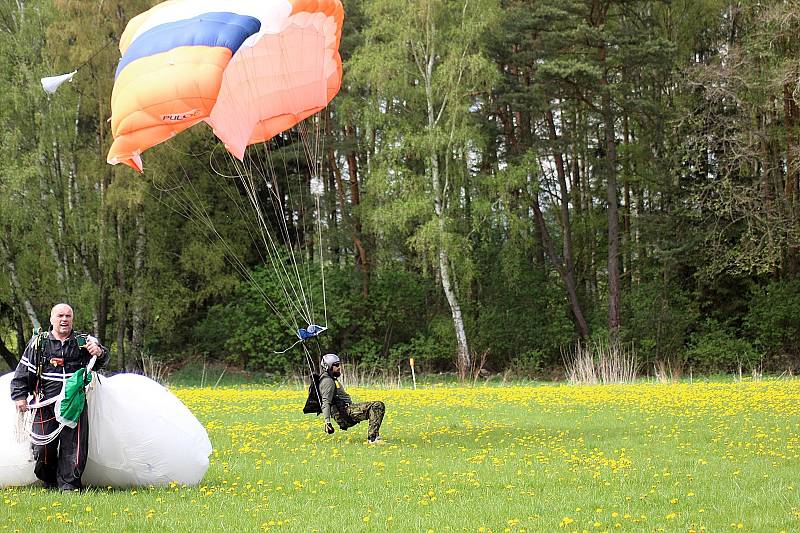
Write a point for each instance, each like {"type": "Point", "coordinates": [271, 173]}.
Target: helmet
{"type": "Point", "coordinates": [328, 360]}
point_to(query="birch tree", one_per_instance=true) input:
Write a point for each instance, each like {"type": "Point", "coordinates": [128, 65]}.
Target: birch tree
{"type": "Point", "coordinates": [422, 61]}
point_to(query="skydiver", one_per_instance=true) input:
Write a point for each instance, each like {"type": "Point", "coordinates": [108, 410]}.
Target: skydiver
{"type": "Point", "coordinates": [48, 359]}
{"type": "Point", "coordinates": [335, 401]}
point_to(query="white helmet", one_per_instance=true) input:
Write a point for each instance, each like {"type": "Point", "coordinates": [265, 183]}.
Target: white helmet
{"type": "Point", "coordinates": [328, 360]}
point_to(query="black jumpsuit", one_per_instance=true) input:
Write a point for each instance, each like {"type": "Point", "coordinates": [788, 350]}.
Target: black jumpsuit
{"type": "Point", "coordinates": [61, 462]}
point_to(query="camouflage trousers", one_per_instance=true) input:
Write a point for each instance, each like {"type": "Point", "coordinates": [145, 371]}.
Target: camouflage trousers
{"type": "Point", "coordinates": [358, 412]}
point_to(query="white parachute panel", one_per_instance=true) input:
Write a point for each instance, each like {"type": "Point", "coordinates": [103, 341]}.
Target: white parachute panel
{"type": "Point", "coordinates": [140, 434]}
{"type": "Point", "coordinates": [16, 457]}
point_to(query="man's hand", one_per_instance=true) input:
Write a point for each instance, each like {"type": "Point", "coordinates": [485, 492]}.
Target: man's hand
{"type": "Point", "coordinates": [22, 405]}
{"type": "Point", "coordinates": [329, 428]}
{"type": "Point", "coordinates": [93, 348]}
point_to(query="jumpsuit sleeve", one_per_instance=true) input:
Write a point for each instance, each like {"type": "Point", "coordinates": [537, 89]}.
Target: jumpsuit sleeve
{"type": "Point", "coordinates": [25, 376]}
{"type": "Point", "coordinates": [102, 359]}
{"type": "Point", "coordinates": [326, 391]}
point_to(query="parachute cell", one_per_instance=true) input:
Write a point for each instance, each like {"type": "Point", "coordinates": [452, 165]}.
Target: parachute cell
{"type": "Point", "coordinates": [249, 69]}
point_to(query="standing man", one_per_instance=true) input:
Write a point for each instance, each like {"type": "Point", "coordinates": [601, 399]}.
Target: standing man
{"type": "Point", "coordinates": [49, 359]}
{"type": "Point", "coordinates": [336, 402]}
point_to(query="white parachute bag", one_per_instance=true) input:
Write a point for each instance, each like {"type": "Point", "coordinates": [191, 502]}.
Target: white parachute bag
{"type": "Point", "coordinates": [16, 454]}
{"type": "Point", "coordinates": [140, 434]}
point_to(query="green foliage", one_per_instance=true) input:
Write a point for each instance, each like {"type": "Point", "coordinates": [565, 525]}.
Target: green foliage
{"type": "Point", "coordinates": [432, 350]}
{"type": "Point", "coordinates": [401, 318]}
{"type": "Point", "coordinates": [246, 332]}
{"type": "Point", "coordinates": [773, 320]}
{"type": "Point", "coordinates": [715, 348]}
{"type": "Point", "coordinates": [528, 363]}
{"type": "Point", "coordinates": [660, 316]}
{"type": "Point", "coordinates": [442, 128]}
{"type": "Point", "coordinates": [522, 319]}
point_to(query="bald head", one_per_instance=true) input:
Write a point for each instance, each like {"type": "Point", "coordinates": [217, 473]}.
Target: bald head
{"type": "Point", "coordinates": [61, 318]}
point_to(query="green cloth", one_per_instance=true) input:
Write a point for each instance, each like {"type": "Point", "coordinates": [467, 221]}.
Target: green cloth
{"type": "Point", "coordinates": [74, 400]}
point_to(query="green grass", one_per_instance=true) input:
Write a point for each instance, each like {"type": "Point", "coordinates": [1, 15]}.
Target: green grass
{"type": "Point", "coordinates": [645, 457]}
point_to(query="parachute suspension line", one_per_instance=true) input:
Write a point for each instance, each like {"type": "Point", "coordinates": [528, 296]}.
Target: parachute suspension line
{"type": "Point", "coordinates": [300, 289]}
{"type": "Point", "coordinates": [274, 253]}
{"type": "Point", "coordinates": [308, 253]}
{"type": "Point", "coordinates": [193, 210]}
{"type": "Point", "coordinates": [322, 262]}
{"type": "Point", "coordinates": [277, 200]}
{"type": "Point", "coordinates": [246, 171]}
{"type": "Point", "coordinates": [235, 200]}
{"type": "Point", "coordinates": [239, 265]}
{"type": "Point", "coordinates": [313, 183]}
{"type": "Point", "coordinates": [298, 300]}
{"type": "Point", "coordinates": [312, 160]}
{"type": "Point", "coordinates": [317, 189]}
{"type": "Point", "coordinates": [249, 185]}
{"type": "Point", "coordinates": [320, 148]}
{"type": "Point", "coordinates": [272, 247]}
{"type": "Point", "coordinates": [302, 286]}
{"type": "Point", "coordinates": [256, 230]}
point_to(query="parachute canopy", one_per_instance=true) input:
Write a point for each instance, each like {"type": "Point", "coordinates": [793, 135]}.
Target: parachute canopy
{"type": "Point", "coordinates": [140, 434]}
{"type": "Point", "coordinates": [250, 69]}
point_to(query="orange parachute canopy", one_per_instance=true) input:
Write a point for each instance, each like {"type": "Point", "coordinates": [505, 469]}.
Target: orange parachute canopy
{"type": "Point", "coordinates": [249, 68]}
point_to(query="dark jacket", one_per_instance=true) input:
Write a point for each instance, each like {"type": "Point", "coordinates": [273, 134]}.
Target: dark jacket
{"type": "Point", "coordinates": [49, 384]}
{"type": "Point", "coordinates": [333, 396]}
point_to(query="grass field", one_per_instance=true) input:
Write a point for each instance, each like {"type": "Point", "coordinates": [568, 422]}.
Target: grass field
{"type": "Point", "coordinates": [646, 457]}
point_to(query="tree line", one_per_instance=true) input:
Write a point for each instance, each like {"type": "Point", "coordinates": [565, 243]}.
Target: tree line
{"type": "Point", "coordinates": [502, 179]}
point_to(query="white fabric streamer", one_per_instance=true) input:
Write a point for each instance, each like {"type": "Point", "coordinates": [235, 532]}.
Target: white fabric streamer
{"type": "Point", "coordinates": [50, 84]}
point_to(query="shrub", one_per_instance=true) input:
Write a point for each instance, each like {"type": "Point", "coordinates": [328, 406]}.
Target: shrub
{"type": "Point", "coordinates": [245, 332]}
{"type": "Point", "coordinates": [659, 318]}
{"type": "Point", "coordinates": [714, 348]}
{"type": "Point", "coordinates": [773, 319]}
{"type": "Point", "coordinates": [527, 364]}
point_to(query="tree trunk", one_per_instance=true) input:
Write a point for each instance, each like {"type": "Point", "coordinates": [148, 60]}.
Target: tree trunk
{"type": "Point", "coordinates": [137, 314]}
{"type": "Point", "coordinates": [122, 324]}
{"type": "Point", "coordinates": [19, 327]}
{"type": "Point", "coordinates": [17, 286]}
{"type": "Point", "coordinates": [8, 356]}
{"type": "Point", "coordinates": [566, 276]}
{"type": "Point", "coordinates": [567, 269]}
{"type": "Point", "coordinates": [45, 194]}
{"type": "Point", "coordinates": [123, 296]}
{"type": "Point", "coordinates": [627, 266]}
{"type": "Point", "coordinates": [577, 194]}
{"type": "Point", "coordinates": [607, 111]}
{"type": "Point", "coordinates": [792, 121]}
{"type": "Point", "coordinates": [463, 357]}
{"type": "Point", "coordinates": [613, 220]}
{"type": "Point", "coordinates": [362, 260]}
{"type": "Point", "coordinates": [589, 228]}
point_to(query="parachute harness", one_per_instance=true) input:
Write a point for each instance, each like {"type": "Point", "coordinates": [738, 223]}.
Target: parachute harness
{"type": "Point", "coordinates": [310, 364]}
{"type": "Point", "coordinates": [70, 402]}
